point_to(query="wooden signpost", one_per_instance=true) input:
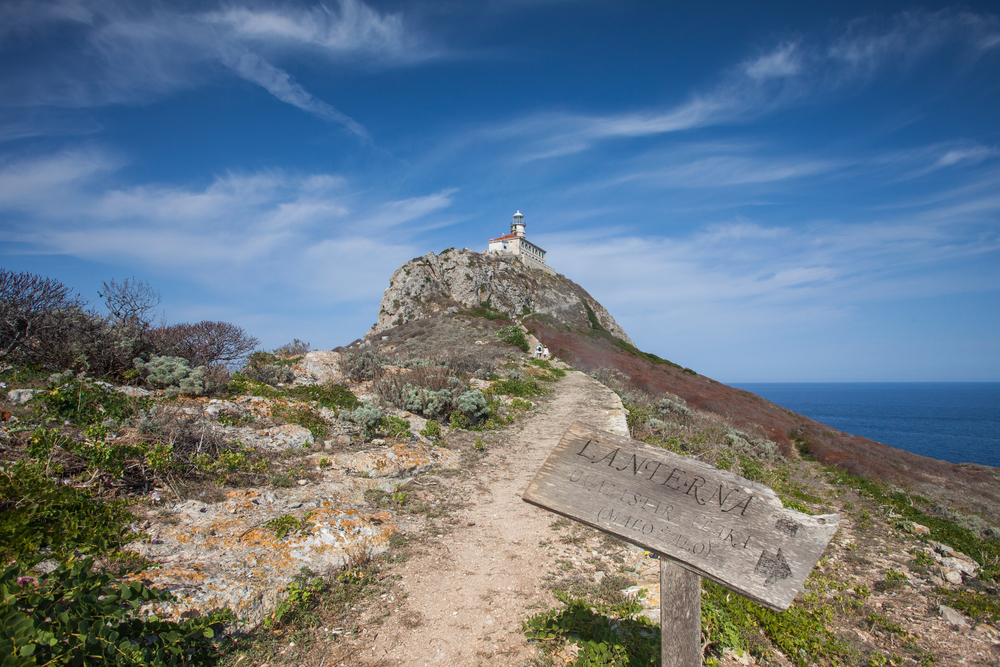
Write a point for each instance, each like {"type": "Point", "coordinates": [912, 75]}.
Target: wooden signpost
{"type": "Point", "coordinates": [710, 522]}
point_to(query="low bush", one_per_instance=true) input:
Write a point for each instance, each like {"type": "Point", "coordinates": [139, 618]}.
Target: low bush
{"type": "Point", "coordinates": [331, 396]}
{"type": "Point", "coordinates": [296, 348]}
{"type": "Point", "coordinates": [76, 616]}
{"type": "Point", "coordinates": [368, 418]}
{"type": "Point", "coordinates": [268, 369]}
{"type": "Point", "coordinates": [604, 635]}
{"type": "Point", "coordinates": [82, 402]}
{"type": "Point", "coordinates": [512, 335]}
{"type": "Point", "coordinates": [177, 376]}
{"type": "Point", "coordinates": [363, 364]}
{"type": "Point", "coordinates": [41, 518]}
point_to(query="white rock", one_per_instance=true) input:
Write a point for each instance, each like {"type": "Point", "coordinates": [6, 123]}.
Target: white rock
{"type": "Point", "coordinates": [22, 396]}
{"type": "Point", "coordinates": [951, 576]}
{"type": "Point", "coordinates": [966, 566]}
{"type": "Point", "coordinates": [953, 616]}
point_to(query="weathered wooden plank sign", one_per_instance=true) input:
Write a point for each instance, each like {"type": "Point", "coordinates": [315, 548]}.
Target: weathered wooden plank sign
{"type": "Point", "coordinates": [714, 523]}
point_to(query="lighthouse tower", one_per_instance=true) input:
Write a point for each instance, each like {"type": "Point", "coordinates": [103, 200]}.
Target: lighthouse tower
{"type": "Point", "coordinates": [517, 227]}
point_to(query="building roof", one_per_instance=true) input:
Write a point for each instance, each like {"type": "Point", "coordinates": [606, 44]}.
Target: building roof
{"type": "Point", "coordinates": [506, 237]}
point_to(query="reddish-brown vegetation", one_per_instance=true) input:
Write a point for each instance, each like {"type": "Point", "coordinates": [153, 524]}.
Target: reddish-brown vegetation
{"type": "Point", "coordinates": [973, 486]}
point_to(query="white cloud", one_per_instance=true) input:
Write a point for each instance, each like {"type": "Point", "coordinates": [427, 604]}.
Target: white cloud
{"type": "Point", "coordinates": [279, 83]}
{"type": "Point", "coordinates": [308, 233]}
{"type": "Point", "coordinates": [132, 54]}
{"type": "Point", "coordinates": [784, 61]}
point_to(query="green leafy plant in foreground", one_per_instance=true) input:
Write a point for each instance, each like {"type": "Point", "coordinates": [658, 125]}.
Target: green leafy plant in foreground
{"type": "Point", "coordinates": [81, 402]}
{"type": "Point", "coordinates": [40, 518]}
{"type": "Point", "coordinates": [732, 621]}
{"type": "Point", "coordinates": [605, 635]}
{"type": "Point", "coordinates": [75, 616]}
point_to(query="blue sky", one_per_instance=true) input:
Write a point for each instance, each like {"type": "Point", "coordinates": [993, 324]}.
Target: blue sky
{"type": "Point", "coordinates": [804, 192]}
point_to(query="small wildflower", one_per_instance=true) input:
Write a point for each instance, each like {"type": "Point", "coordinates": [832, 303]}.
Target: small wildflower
{"type": "Point", "coordinates": [155, 540]}
{"type": "Point", "coordinates": [24, 581]}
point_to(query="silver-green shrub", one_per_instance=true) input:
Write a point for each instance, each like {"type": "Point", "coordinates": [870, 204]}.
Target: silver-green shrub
{"type": "Point", "coordinates": [366, 417]}
{"type": "Point", "coordinates": [175, 375]}
{"type": "Point", "coordinates": [472, 404]}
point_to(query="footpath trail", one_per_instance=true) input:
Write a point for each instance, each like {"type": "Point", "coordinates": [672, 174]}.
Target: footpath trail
{"type": "Point", "coordinates": [463, 598]}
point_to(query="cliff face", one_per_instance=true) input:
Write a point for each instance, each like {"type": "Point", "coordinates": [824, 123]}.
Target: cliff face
{"type": "Point", "coordinates": [455, 280]}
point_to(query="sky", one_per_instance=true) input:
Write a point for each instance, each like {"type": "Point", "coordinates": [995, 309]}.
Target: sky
{"type": "Point", "coordinates": [763, 192]}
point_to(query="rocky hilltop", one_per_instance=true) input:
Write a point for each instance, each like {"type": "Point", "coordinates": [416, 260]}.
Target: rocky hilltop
{"type": "Point", "coordinates": [464, 280]}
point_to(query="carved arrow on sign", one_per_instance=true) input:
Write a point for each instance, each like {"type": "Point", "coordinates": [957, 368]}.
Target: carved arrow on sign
{"type": "Point", "coordinates": [712, 522]}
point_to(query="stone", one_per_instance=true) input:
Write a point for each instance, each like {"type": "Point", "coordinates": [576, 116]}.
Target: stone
{"type": "Point", "coordinates": [319, 367]}
{"type": "Point", "coordinates": [277, 438]}
{"type": "Point", "coordinates": [964, 565]}
{"type": "Point", "coordinates": [953, 616]}
{"type": "Point", "coordinates": [915, 528]}
{"type": "Point", "coordinates": [22, 396]}
{"type": "Point", "coordinates": [951, 576]}
{"type": "Point", "coordinates": [135, 391]}
{"type": "Point", "coordinates": [344, 439]}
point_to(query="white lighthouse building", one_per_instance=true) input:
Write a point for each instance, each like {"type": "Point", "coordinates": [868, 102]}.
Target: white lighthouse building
{"type": "Point", "coordinates": [518, 245]}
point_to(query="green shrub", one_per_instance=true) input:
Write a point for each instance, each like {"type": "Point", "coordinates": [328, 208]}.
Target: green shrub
{"type": "Point", "coordinates": [472, 404]}
{"type": "Point", "coordinates": [427, 402]}
{"type": "Point", "coordinates": [174, 373]}
{"type": "Point", "coordinates": [83, 402]}
{"type": "Point", "coordinates": [605, 635]}
{"type": "Point", "coordinates": [40, 518]}
{"type": "Point", "coordinates": [368, 418]}
{"type": "Point", "coordinates": [431, 430]}
{"type": "Point", "coordinates": [512, 335]}
{"type": "Point", "coordinates": [269, 369]}
{"type": "Point", "coordinates": [75, 616]}
{"type": "Point", "coordinates": [397, 426]}
{"type": "Point", "coordinates": [331, 396]}
{"type": "Point", "coordinates": [304, 417]}
{"type": "Point", "coordinates": [516, 387]}
{"type": "Point", "coordinates": [458, 420]}
{"type": "Point", "coordinates": [365, 364]}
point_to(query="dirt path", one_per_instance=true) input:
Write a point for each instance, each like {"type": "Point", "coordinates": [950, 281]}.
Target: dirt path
{"type": "Point", "coordinates": [466, 595]}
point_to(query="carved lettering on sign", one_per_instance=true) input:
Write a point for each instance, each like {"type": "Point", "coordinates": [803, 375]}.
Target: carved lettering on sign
{"type": "Point", "coordinates": [710, 521]}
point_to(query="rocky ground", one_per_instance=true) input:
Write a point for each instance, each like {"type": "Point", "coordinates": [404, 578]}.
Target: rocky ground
{"type": "Point", "coordinates": [475, 562]}
{"type": "Point", "coordinates": [419, 551]}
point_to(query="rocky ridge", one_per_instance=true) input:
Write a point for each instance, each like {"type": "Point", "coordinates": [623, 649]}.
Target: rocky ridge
{"type": "Point", "coordinates": [456, 280]}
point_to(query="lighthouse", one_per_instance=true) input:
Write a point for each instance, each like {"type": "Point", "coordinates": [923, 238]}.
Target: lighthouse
{"type": "Point", "coordinates": [517, 244]}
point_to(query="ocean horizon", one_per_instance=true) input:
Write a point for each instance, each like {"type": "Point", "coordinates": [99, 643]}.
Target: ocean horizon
{"type": "Point", "coordinates": [957, 422]}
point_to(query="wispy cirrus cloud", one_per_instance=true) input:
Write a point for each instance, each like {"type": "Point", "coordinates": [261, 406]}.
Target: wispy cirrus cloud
{"type": "Point", "coordinates": [115, 52]}
{"type": "Point", "coordinates": [788, 74]}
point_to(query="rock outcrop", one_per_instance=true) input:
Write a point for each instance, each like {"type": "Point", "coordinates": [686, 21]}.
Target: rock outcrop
{"type": "Point", "coordinates": [456, 280]}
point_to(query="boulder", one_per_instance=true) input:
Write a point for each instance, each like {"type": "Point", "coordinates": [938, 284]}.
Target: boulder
{"type": "Point", "coordinates": [22, 396]}
{"type": "Point", "coordinates": [953, 616]}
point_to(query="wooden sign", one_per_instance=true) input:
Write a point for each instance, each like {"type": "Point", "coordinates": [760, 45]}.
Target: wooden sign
{"type": "Point", "coordinates": [714, 523]}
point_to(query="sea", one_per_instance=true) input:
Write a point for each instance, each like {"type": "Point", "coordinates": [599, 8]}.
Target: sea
{"type": "Point", "coordinates": [957, 422]}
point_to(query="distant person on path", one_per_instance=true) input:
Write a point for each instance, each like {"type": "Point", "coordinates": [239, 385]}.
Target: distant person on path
{"type": "Point", "coordinates": [538, 352]}
{"type": "Point", "coordinates": [545, 353]}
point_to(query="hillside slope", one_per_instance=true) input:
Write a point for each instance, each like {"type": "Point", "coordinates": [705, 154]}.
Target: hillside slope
{"type": "Point", "coordinates": [970, 486]}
